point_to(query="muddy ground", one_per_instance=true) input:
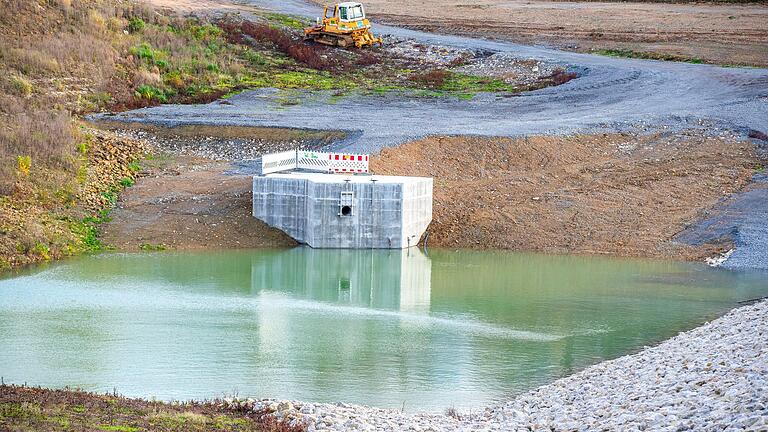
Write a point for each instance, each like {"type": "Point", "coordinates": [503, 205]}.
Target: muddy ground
{"type": "Point", "coordinates": [189, 203]}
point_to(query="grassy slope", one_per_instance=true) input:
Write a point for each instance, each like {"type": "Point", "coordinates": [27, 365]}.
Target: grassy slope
{"type": "Point", "coordinates": [33, 409]}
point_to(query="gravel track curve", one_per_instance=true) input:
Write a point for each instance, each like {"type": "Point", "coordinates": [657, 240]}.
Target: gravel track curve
{"type": "Point", "coordinates": [609, 95]}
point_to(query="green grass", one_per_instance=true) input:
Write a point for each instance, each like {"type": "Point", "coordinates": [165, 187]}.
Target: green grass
{"type": "Point", "coordinates": [210, 65]}
{"type": "Point", "coordinates": [149, 247]}
{"type": "Point", "coordinates": [118, 428]}
{"type": "Point", "coordinates": [647, 55]}
{"type": "Point", "coordinates": [288, 20]}
{"type": "Point", "coordinates": [457, 82]}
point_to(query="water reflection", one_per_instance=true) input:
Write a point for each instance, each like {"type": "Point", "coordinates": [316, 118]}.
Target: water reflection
{"type": "Point", "coordinates": [384, 327]}
{"type": "Point", "coordinates": [391, 279]}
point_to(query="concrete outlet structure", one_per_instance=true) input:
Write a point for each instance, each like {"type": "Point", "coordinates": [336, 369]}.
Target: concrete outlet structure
{"type": "Point", "coordinates": [345, 211]}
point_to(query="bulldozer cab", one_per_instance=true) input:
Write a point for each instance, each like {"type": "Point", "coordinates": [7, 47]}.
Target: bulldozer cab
{"type": "Point", "coordinates": [347, 12]}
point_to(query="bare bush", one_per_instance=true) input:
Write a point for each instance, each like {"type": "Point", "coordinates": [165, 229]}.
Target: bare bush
{"type": "Point", "coordinates": [431, 79]}
{"type": "Point", "coordinates": [282, 40]}
{"type": "Point", "coordinates": [561, 76]}
{"type": "Point", "coordinates": [367, 59]}
{"type": "Point", "coordinates": [144, 77]}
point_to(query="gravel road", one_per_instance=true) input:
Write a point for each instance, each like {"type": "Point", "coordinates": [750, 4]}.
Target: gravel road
{"type": "Point", "coordinates": [610, 95]}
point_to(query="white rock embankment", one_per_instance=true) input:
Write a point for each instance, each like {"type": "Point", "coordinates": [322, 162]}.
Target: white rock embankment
{"type": "Point", "coordinates": [712, 378]}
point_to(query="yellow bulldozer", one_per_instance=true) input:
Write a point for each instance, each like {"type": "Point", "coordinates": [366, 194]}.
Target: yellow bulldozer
{"type": "Point", "coordinates": [346, 26]}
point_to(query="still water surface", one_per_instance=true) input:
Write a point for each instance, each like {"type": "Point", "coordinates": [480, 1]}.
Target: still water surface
{"type": "Point", "coordinates": [384, 328]}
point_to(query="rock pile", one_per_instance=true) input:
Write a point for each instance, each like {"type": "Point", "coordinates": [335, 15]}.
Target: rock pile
{"type": "Point", "coordinates": [510, 68]}
{"type": "Point", "coordinates": [216, 148]}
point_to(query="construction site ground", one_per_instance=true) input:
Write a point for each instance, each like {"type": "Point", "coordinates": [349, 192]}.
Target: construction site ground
{"type": "Point", "coordinates": [715, 32]}
{"type": "Point", "coordinates": [611, 194]}
{"type": "Point", "coordinates": [618, 161]}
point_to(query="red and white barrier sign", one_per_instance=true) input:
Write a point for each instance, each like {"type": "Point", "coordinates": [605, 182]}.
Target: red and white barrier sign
{"type": "Point", "coordinates": [315, 161]}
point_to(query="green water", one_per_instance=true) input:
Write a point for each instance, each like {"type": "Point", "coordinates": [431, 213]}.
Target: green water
{"type": "Point", "coordinates": [385, 328]}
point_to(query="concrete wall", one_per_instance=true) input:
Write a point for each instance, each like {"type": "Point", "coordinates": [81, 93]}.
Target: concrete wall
{"type": "Point", "coordinates": [385, 211]}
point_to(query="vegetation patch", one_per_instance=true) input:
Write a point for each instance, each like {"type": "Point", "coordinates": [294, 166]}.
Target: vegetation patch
{"type": "Point", "coordinates": [33, 409]}
{"type": "Point", "coordinates": [51, 214]}
{"type": "Point", "coordinates": [648, 55]}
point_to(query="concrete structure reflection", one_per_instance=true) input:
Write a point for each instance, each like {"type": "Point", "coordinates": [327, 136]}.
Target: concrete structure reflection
{"type": "Point", "coordinates": [381, 279]}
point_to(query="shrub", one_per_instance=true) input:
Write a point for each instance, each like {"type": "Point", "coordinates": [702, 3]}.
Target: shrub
{"type": "Point", "coordinates": [432, 79]}
{"type": "Point", "coordinates": [561, 76]}
{"type": "Point", "coordinates": [144, 51]}
{"type": "Point", "coordinates": [254, 58]}
{"type": "Point", "coordinates": [174, 79]}
{"type": "Point", "coordinates": [21, 85]}
{"type": "Point", "coordinates": [205, 32]}
{"type": "Point", "coordinates": [144, 77]}
{"type": "Point", "coordinates": [25, 164]}
{"type": "Point", "coordinates": [151, 94]}
{"type": "Point", "coordinates": [310, 55]}
{"type": "Point", "coordinates": [136, 24]}
{"type": "Point", "coordinates": [42, 250]}
{"type": "Point", "coordinates": [29, 61]}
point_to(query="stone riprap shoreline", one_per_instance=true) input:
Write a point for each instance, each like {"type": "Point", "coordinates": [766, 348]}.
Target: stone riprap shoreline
{"type": "Point", "coordinates": [712, 378]}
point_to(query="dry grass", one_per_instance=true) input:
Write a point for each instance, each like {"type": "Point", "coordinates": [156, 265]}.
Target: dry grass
{"type": "Point", "coordinates": [59, 55]}
{"type": "Point", "coordinates": [35, 409]}
{"type": "Point", "coordinates": [51, 213]}
{"type": "Point", "coordinates": [433, 79]}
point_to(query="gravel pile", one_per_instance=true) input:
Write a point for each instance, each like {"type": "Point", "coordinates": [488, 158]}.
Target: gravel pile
{"type": "Point", "coordinates": [216, 148]}
{"type": "Point", "coordinates": [712, 378]}
{"type": "Point", "coordinates": [510, 68]}
{"type": "Point", "coordinates": [427, 54]}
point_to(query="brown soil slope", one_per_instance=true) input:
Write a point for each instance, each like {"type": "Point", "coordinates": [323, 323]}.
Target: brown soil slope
{"type": "Point", "coordinates": [190, 204]}
{"type": "Point", "coordinates": [614, 194]}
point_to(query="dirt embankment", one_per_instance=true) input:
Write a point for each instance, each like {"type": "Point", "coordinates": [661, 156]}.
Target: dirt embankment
{"type": "Point", "coordinates": [594, 194]}
{"type": "Point", "coordinates": [189, 203]}
{"type": "Point", "coordinates": [717, 33]}
{"type": "Point", "coordinates": [190, 197]}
